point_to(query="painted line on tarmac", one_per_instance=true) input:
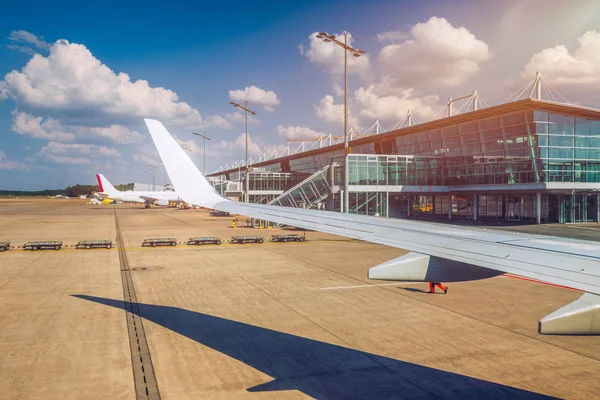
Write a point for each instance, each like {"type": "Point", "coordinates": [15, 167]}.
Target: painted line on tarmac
{"type": "Point", "coordinates": [369, 286]}
{"type": "Point", "coordinates": [144, 379]}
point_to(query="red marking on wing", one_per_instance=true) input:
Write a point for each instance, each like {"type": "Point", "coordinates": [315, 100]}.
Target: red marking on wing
{"type": "Point", "coordinates": [542, 282]}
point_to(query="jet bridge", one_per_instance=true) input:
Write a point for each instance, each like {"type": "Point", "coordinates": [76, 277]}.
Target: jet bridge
{"type": "Point", "coordinates": [308, 193]}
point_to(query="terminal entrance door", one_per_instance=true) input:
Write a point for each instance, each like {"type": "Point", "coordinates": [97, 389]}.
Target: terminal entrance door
{"type": "Point", "coordinates": [513, 208]}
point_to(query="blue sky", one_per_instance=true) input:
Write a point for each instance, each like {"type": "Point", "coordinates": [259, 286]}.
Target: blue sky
{"type": "Point", "coordinates": [67, 114]}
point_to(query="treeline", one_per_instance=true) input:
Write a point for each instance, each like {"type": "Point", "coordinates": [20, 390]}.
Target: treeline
{"type": "Point", "coordinates": [125, 186]}
{"type": "Point", "coordinates": [47, 192]}
{"type": "Point", "coordinates": [78, 190]}
{"type": "Point", "coordinates": [71, 191]}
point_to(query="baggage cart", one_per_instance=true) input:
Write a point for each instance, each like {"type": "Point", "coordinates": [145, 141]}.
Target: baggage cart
{"type": "Point", "coordinates": [159, 242]}
{"type": "Point", "coordinates": [246, 239]}
{"type": "Point", "coordinates": [43, 245]}
{"type": "Point", "coordinates": [204, 240]}
{"type": "Point", "coordinates": [94, 244]}
{"type": "Point", "coordinates": [287, 238]}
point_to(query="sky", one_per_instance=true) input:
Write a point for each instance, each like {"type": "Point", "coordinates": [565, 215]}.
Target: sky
{"type": "Point", "coordinates": [78, 78]}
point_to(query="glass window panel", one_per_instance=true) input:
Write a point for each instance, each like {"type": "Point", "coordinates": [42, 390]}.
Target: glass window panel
{"type": "Point", "coordinates": [557, 140]}
{"type": "Point", "coordinates": [470, 138]}
{"type": "Point", "coordinates": [582, 127]}
{"type": "Point", "coordinates": [449, 132]}
{"type": "Point", "coordinates": [422, 137]}
{"type": "Point", "coordinates": [451, 141]}
{"type": "Point", "coordinates": [467, 128]}
{"type": "Point", "coordinates": [489, 134]}
{"type": "Point", "coordinates": [541, 116]}
{"type": "Point", "coordinates": [513, 119]}
{"type": "Point", "coordinates": [542, 140]}
{"type": "Point", "coordinates": [435, 134]}
{"type": "Point", "coordinates": [554, 152]}
{"type": "Point", "coordinates": [561, 124]}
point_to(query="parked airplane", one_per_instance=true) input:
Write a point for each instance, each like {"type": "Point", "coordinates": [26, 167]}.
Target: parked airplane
{"type": "Point", "coordinates": [159, 198]}
{"type": "Point", "coordinates": [438, 253]}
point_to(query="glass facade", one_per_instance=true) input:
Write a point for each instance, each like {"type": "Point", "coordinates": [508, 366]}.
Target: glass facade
{"type": "Point", "coordinates": [521, 148]}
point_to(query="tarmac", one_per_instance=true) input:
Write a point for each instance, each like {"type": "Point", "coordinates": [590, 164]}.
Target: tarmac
{"type": "Point", "coordinates": [272, 320]}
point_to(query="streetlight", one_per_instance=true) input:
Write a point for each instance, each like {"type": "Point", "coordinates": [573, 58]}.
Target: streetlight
{"type": "Point", "coordinates": [152, 168]}
{"type": "Point", "coordinates": [204, 139]}
{"type": "Point", "coordinates": [356, 53]}
{"type": "Point", "coordinates": [246, 110]}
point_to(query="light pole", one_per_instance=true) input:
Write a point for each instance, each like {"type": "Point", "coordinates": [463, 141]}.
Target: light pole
{"type": "Point", "coordinates": [247, 178]}
{"type": "Point", "coordinates": [152, 168]}
{"type": "Point", "coordinates": [204, 139]}
{"type": "Point", "coordinates": [356, 53]}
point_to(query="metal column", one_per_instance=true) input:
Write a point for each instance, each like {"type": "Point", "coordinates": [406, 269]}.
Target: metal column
{"type": "Point", "coordinates": [475, 206]}
{"type": "Point", "coordinates": [538, 208]}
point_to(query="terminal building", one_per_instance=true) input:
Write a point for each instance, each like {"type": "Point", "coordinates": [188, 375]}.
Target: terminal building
{"type": "Point", "coordinates": [528, 160]}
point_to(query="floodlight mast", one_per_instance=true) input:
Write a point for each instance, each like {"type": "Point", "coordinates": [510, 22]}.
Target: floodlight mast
{"type": "Point", "coordinates": [326, 37]}
{"type": "Point", "coordinates": [204, 139]}
{"type": "Point", "coordinates": [247, 180]}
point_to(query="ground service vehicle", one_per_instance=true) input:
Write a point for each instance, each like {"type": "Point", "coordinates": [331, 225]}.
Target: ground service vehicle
{"type": "Point", "coordinates": [204, 240]}
{"type": "Point", "coordinates": [4, 246]}
{"type": "Point", "coordinates": [94, 244]}
{"type": "Point", "coordinates": [247, 239]}
{"type": "Point", "coordinates": [287, 238]}
{"type": "Point", "coordinates": [47, 245]}
{"type": "Point", "coordinates": [219, 214]}
{"type": "Point", "coordinates": [159, 242]}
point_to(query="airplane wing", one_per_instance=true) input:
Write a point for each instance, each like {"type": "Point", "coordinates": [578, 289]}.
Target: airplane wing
{"type": "Point", "coordinates": [437, 252]}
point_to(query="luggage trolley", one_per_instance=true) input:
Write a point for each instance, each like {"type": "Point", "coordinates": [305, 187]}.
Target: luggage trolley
{"type": "Point", "coordinates": [204, 240]}
{"type": "Point", "coordinates": [246, 239]}
{"type": "Point", "coordinates": [287, 238]}
{"type": "Point", "coordinates": [159, 242]}
{"type": "Point", "coordinates": [47, 245]}
{"type": "Point", "coordinates": [94, 244]}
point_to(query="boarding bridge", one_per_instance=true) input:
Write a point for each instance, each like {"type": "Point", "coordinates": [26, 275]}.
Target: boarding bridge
{"type": "Point", "coordinates": [307, 194]}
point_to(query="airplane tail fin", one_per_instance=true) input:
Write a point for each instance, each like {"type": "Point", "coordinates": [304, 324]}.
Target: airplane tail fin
{"type": "Point", "coordinates": [188, 181]}
{"type": "Point", "coordinates": [105, 186]}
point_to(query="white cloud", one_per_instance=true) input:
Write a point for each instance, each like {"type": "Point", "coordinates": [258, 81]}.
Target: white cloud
{"type": "Point", "coordinates": [255, 95]}
{"type": "Point", "coordinates": [29, 38]}
{"type": "Point", "coordinates": [72, 153]}
{"type": "Point", "coordinates": [297, 132]}
{"type": "Point", "coordinates": [392, 36]}
{"type": "Point", "coordinates": [378, 102]}
{"type": "Point", "coordinates": [71, 79]}
{"type": "Point", "coordinates": [234, 150]}
{"type": "Point", "coordinates": [581, 68]}
{"type": "Point", "coordinates": [51, 129]}
{"type": "Point", "coordinates": [437, 55]}
{"type": "Point", "coordinates": [331, 57]}
{"type": "Point", "coordinates": [332, 113]}
{"type": "Point", "coordinates": [10, 165]}
{"type": "Point", "coordinates": [27, 124]}
{"type": "Point", "coordinates": [236, 147]}
{"type": "Point", "coordinates": [117, 133]}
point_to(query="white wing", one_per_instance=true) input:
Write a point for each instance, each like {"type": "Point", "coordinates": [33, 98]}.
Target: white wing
{"type": "Point", "coordinates": [439, 252]}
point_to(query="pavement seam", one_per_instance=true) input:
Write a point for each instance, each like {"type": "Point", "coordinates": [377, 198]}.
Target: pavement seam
{"type": "Point", "coordinates": [21, 271]}
{"type": "Point", "coordinates": [144, 378]}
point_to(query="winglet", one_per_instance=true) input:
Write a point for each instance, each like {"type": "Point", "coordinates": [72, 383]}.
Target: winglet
{"type": "Point", "coordinates": [188, 181]}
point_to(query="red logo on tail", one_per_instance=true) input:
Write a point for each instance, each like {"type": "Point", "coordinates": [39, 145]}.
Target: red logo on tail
{"type": "Point", "coordinates": [99, 182]}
